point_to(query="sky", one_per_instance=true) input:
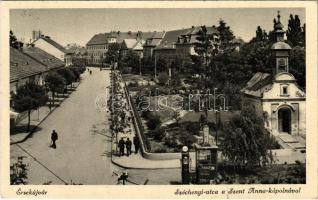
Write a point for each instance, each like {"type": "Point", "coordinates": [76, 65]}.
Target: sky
{"type": "Point", "coordinates": [79, 25]}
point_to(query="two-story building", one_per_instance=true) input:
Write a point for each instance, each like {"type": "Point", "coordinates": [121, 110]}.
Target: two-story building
{"type": "Point", "coordinates": [97, 46]}
{"type": "Point", "coordinates": [177, 43]}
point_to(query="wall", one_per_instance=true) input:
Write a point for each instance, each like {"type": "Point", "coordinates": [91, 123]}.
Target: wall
{"type": "Point", "coordinates": [94, 53]}
{"type": "Point", "coordinates": [274, 99]}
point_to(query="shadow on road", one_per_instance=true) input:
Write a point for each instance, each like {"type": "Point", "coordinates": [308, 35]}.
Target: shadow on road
{"type": "Point", "coordinates": [21, 129]}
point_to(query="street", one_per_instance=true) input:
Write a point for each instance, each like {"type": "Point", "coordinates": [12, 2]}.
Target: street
{"type": "Point", "coordinates": [83, 154]}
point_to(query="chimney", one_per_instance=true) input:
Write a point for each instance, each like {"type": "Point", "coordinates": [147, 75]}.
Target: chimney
{"type": "Point", "coordinates": [36, 35]}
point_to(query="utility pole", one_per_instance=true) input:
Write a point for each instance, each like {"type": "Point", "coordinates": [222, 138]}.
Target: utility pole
{"type": "Point", "coordinates": [155, 67]}
{"type": "Point", "coordinates": [139, 65]}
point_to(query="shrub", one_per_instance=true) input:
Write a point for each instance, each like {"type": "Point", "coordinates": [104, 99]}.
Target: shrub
{"type": "Point", "coordinates": [163, 78]}
{"type": "Point", "coordinates": [192, 127]}
{"type": "Point", "coordinates": [160, 150]}
{"type": "Point", "coordinates": [159, 133]}
{"type": "Point", "coordinates": [171, 142]}
{"type": "Point", "coordinates": [153, 122]}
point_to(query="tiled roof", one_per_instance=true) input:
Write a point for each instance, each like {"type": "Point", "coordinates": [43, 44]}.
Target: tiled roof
{"type": "Point", "coordinates": [77, 50]}
{"type": "Point", "coordinates": [101, 38]}
{"type": "Point", "coordinates": [256, 84]}
{"type": "Point", "coordinates": [45, 58]}
{"type": "Point", "coordinates": [171, 37]}
{"type": "Point", "coordinates": [55, 44]}
{"type": "Point", "coordinates": [130, 43]}
{"type": "Point", "coordinates": [22, 66]}
{"type": "Point", "coordinates": [158, 35]}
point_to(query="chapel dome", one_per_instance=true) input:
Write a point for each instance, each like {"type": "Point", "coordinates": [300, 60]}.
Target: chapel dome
{"type": "Point", "coordinates": [281, 46]}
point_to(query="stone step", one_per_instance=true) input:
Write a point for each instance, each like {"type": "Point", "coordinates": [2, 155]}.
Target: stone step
{"type": "Point", "coordinates": [287, 138]}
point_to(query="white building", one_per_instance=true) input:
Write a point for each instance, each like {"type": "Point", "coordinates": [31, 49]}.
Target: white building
{"type": "Point", "coordinates": [277, 96]}
{"type": "Point", "coordinates": [50, 46]}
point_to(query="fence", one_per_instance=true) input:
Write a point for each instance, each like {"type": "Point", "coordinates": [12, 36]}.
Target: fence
{"type": "Point", "coordinates": [139, 129]}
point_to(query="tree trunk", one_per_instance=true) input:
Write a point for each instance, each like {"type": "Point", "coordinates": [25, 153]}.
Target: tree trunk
{"type": "Point", "coordinates": [29, 120]}
{"type": "Point", "coordinates": [53, 97]}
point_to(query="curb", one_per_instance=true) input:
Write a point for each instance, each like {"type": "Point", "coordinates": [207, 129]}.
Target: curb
{"type": "Point", "coordinates": [29, 134]}
{"type": "Point", "coordinates": [142, 168]}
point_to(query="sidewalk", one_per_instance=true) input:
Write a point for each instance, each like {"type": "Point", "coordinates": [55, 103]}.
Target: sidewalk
{"type": "Point", "coordinates": [37, 117]}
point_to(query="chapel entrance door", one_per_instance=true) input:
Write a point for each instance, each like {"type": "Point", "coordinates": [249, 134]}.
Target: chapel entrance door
{"type": "Point", "coordinates": [284, 120]}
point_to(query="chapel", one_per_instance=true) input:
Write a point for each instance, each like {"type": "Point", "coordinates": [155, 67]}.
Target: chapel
{"type": "Point", "coordinates": [277, 96]}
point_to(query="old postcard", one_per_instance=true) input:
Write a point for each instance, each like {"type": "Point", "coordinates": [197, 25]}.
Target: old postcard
{"type": "Point", "coordinates": [158, 99]}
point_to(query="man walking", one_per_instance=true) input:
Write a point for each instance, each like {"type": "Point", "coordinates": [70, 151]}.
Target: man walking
{"type": "Point", "coordinates": [128, 146]}
{"type": "Point", "coordinates": [136, 144]}
{"type": "Point", "coordinates": [121, 146]}
{"type": "Point", "coordinates": [54, 137]}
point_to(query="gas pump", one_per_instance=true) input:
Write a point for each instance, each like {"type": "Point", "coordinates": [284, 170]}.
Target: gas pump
{"type": "Point", "coordinates": [185, 165]}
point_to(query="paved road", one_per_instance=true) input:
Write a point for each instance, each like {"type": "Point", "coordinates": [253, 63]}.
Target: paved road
{"type": "Point", "coordinates": [83, 148]}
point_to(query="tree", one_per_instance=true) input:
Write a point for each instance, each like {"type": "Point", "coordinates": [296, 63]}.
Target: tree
{"type": "Point", "coordinates": [294, 32]}
{"type": "Point", "coordinates": [76, 72]}
{"type": "Point", "coordinates": [258, 55]}
{"type": "Point", "coordinates": [153, 121]}
{"type": "Point", "coordinates": [205, 46]}
{"type": "Point", "coordinates": [304, 35]}
{"type": "Point", "coordinates": [226, 34]}
{"type": "Point", "coordinates": [29, 97]}
{"type": "Point", "coordinates": [67, 74]}
{"type": "Point", "coordinates": [131, 60]}
{"type": "Point", "coordinates": [14, 42]}
{"type": "Point", "coordinates": [18, 172]}
{"type": "Point", "coordinates": [261, 35]}
{"type": "Point", "coordinates": [162, 64]}
{"type": "Point", "coordinates": [297, 64]}
{"type": "Point", "coordinates": [112, 55]}
{"type": "Point", "coordinates": [55, 82]}
{"type": "Point", "coordinates": [246, 141]}
{"type": "Point", "coordinates": [163, 78]}
{"type": "Point", "coordinates": [147, 65]}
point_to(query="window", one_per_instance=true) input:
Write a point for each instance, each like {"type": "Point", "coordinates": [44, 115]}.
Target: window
{"type": "Point", "coordinates": [284, 90]}
{"type": "Point", "coordinates": [282, 66]}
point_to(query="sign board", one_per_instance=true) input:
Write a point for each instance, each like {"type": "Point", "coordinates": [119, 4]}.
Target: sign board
{"type": "Point", "coordinates": [206, 163]}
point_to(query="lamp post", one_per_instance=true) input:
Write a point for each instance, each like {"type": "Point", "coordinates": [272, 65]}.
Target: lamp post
{"type": "Point", "coordinates": [139, 65]}
{"type": "Point", "coordinates": [214, 91]}
{"type": "Point", "coordinates": [155, 67]}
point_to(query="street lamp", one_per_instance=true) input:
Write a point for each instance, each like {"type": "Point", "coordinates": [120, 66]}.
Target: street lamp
{"type": "Point", "coordinates": [214, 98]}
{"type": "Point", "coordinates": [139, 65]}
{"type": "Point", "coordinates": [155, 67]}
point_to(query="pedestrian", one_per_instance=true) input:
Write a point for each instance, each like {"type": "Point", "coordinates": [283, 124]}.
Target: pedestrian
{"type": "Point", "coordinates": [128, 146]}
{"type": "Point", "coordinates": [136, 144]}
{"type": "Point", "coordinates": [54, 137]}
{"type": "Point", "coordinates": [123, 177]}
{"type": "Point", "coordinates": [121, 146]}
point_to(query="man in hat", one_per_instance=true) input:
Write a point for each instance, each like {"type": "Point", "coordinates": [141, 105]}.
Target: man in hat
{"type": "Point", "coordinates": [136, 144]}
{"type": "Point", "coordinates": [128, 146]}
{"type": "Point", "coordinates": [121, 146]}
